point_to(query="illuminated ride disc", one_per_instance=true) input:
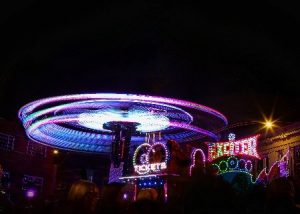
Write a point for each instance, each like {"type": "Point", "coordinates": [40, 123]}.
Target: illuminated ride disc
{"type": "Point", "coordinates": [82, 122]}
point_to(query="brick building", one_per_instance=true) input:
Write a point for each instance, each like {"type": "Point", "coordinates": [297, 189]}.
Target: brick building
{"type": "Point", "coordinates": [28, 163]}
{"type": "Point", "coordinates": [273, 147]}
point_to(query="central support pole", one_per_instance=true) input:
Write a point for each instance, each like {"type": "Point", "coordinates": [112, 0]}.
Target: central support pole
{"type": "Point", "coordinates": [121, 144]}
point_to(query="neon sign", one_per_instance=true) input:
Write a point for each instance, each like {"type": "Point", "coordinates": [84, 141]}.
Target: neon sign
{"type": "Point", "coordinates": [233, 164]}
{"type": "Point", "coordinates": [144, 160]}
{"type": "Point", "coordinates": [246, 146]}
{"type": "Point", "coordinates": [154, 167]}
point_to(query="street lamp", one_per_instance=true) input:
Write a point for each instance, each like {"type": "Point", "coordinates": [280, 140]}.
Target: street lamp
{"type": "Point", "coordinates": [269, 124]}
{"type": "Point", "coordinates": [55, 151]}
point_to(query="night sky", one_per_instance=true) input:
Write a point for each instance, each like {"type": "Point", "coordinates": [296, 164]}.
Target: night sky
{"type": "Point", "coordinates": [241, 59]}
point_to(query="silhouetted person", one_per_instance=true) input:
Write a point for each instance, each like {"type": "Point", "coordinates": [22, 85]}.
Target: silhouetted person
{"type": "Point", "coordinates": [146, 202]}
{"type": "Point", "coordinates": [179, 162]}
{"type": "Point", "coordinates": [82, 198]}
{"type": "Point", "coordinates": [208, 194]}
{"type": "Point", "coordinates": [111, 200]}
{"type": "Point", "coordinates": [280, 197]}
{"type": "Point", "coordinates": [5, 205]}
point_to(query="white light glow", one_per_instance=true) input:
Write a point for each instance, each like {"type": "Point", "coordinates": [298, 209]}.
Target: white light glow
{"type": "Point", "coordinates": [148, 122]}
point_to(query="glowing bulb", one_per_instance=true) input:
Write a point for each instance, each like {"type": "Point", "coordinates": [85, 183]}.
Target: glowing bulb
{"type": "Point", "coordinates": [30, 193]}
{"type": "Point", "coordinates": [269, 124]}
{"type": "Point", "coordinates": [55, 151]}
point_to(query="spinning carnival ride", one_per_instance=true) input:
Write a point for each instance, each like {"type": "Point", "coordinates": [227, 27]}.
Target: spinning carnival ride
{"type": "Point", "coordinates": [89, 122]}
{"type": "Point", "coordinates": [114, 123]}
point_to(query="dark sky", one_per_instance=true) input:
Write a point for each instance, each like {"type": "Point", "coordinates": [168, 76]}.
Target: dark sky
{"type": "Point", "coordinates": [240, 58]}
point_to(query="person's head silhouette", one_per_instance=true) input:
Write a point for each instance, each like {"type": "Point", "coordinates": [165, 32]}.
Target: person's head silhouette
{"type": "Point", "coordinates": [83, 196]}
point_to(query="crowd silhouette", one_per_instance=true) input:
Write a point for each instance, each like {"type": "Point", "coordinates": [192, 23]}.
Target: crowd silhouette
{"type": "Point", "coordinates": [195, 190]}
{"type": "Point", "coordinates": [203, 193]}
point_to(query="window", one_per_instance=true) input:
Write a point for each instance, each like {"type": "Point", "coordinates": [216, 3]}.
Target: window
{"type": "Point", "coordinates": [35, 149]}
{"type": "Point", "coordinates": [297, 161]}
{"type": "Point", "coordinates": [266, 162]}
{"type": "Point", "coordinates": [279, 154]}
{"type": "Point", "coordinates": [260, 165]}
{"type": "Point", "coordinates": [7, 142]}
{"type": "Point", "coordinates": [5, 179]}
{"type": "Point", "coordinates": [32, 182]}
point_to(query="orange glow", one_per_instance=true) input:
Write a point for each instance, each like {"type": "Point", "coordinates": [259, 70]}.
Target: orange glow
{"type": "Point", "coordinates": [269, 124]}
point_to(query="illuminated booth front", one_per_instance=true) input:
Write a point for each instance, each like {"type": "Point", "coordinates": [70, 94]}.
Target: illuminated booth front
{"type": "Point", "coordinates": [150, 164]}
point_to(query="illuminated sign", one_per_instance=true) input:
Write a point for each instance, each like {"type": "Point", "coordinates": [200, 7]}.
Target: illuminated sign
{"type": "Point", "coordinates": [233, 164]}
{"type": "Point", "coordinates": [154, 167]}
{"type": "Point", "coordinates": [246, 146]}
{"type": "Point", "coordinates": [149, 158]}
